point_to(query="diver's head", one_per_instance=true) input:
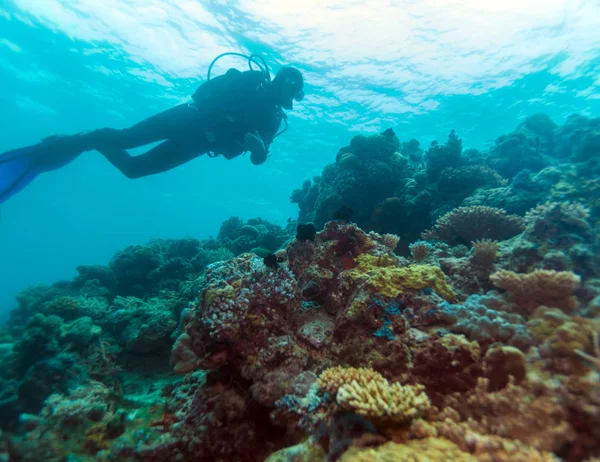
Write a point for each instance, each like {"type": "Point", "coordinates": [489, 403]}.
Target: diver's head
{"type": "Point", "coordinates": [288, 86]}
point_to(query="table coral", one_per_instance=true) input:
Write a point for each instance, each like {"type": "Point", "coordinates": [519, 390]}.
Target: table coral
{"type": "Point", "coordinates": [469, 224]}
{"type": "Point", "coordinates": [540, 287]}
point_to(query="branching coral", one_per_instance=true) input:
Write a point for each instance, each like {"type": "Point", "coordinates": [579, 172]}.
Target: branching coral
{"type": "Point", "coordinates": [382, 402]}
{"type": "Point", "coordinates": [540, 287]}
{"type": "Point", "coordinates": [467, 224]}
{"type": "Point", "coordinates": [366, 392]}
{"type": "Point", "coordinates": [331, 379]}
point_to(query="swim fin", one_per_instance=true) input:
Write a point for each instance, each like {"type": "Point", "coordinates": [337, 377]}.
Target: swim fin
{"type": "Point", "coordinates": [18, 168]}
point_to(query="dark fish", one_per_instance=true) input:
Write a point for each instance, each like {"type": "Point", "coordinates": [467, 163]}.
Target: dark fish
{"type": "Point", "coordinates": [343, 213]}
{"type": "Point", "coordinates": [306, 232]}
{"type": "Point", "coordinates": [271, 261]}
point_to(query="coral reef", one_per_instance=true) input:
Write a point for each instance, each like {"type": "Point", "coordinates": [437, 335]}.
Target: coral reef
{"type": "Point", "coordinates": [341, 336]}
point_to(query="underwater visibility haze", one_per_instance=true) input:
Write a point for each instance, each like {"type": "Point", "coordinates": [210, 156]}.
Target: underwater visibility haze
{"type": "Point", "coordinates": [392, 255]}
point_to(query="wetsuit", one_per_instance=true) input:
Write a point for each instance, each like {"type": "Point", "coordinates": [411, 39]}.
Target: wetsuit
{"type": "Point", "coordinates": [217, 120]}
{"type": "Point", "coordinates": [225, 109]}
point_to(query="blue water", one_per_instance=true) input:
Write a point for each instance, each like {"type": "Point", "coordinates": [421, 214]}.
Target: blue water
{"type": "Point", "coordinates": [422, 68]}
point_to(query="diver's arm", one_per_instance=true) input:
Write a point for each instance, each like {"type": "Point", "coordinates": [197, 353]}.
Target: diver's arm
{"type": "Point", "coordinates": [254, 143]}
{"type": "Point", "coordinates": [258, 158]}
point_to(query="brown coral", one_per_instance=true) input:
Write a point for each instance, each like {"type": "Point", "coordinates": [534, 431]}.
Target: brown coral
{"type": "Point", "coordinates": [452, 358]}
{"type": "Point", "coordinates": [501, 363]}
{"type": "Point", "coordinates": [531, 415]}
{"type": "Point", "coordinates": [540, 287]}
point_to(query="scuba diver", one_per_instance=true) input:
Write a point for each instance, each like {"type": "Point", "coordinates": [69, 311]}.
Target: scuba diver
{"type": "Point", "coordinates": [234, 113]}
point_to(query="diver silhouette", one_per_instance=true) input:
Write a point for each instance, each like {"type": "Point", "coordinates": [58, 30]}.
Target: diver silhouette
{"type": "Point", "coordinates": [238, 112]}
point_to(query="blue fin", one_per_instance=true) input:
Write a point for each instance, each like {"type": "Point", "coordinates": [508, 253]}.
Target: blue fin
{"type": "Point", "coordinates": [18, 168]}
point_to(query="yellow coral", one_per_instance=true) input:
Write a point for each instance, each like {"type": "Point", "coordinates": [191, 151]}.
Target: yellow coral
{"type": "Point", "coordinates": [382, 402]}
{"type": "Point", "coordinates": [427, 450]}
{"type": "Point", "coordinates": [384, 276]}
{"type": "Point", "coordinates": [330, 380]}
{"type": "Point", "coordinates": [540, 287]}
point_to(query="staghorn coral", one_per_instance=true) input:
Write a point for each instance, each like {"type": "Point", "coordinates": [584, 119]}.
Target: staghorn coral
{"type": "Point", "coordinates": [382, 402]}
{"type": "Point", "coordinates": [468, 224]}
{"type": "Point", "coordinates": [540, 287]}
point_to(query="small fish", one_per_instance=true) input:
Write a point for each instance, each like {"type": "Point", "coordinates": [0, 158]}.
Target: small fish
{"type": "Point", "coordinates": [271, 261]}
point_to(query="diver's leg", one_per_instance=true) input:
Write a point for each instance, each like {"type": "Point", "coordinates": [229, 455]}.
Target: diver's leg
{"type": "Point", "coordinates": [161, 158]}
{"type": "Point", "coordinates": [174, 123]}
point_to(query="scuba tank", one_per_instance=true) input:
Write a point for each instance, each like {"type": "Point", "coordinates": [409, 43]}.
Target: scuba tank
{"type": "Point", "coordinates": [219, 84]}
{"type": "Point", "coordinates": [204, 96]}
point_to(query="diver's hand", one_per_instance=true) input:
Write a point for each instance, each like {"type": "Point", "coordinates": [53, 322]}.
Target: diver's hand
{"type": "Point", "coordinates": [253, 143]}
